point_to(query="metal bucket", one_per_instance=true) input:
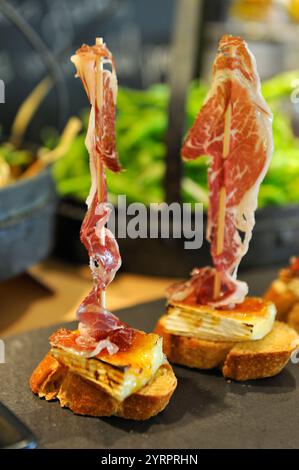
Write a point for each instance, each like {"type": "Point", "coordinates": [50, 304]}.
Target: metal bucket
{"type": "Point", "coordinates": [27, 217]}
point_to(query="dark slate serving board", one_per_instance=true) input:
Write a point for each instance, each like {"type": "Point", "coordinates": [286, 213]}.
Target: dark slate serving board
{"type": "Point", "coordinates": [206, 410]}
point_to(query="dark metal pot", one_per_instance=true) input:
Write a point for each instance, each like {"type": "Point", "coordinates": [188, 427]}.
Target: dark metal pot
{"type": "Point", "coordinates": [275, 239]}
{"type": "Point", "coordinates": [27, 217]}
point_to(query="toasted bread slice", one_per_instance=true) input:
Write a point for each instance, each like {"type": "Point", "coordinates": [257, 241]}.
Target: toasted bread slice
{"type": "Point", "coordinates": [284, 301]}
{"type": "Point", "coordinates": [262, 358]}
{"type": "Point", "coordinates": [287, 304]}
{"type": "Point", "coordinates": [239, 361]}
{"type": "Point", "coordinates": [52, 380]}
{"type": "Point", "coordinates": [293, 317]}
{"type": "Point", "coordinates": [284, 293]}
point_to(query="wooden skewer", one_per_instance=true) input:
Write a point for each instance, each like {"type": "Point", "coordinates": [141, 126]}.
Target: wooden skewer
{"type": "Point", "coordinates": [100, 168]}
{"type": "Point", "coordinates": [221, 221]}
{"type": "Point", "coordinates": [222, 201]}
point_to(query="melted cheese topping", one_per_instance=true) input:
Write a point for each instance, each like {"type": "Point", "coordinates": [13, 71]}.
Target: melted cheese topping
{"type": "Point", "coordinates": [123, 373]}
{"type": "Point", "coordinates": [251, 320]}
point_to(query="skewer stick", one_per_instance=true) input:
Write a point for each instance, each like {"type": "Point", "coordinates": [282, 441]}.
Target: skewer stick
{"type": "Point", "coordinates": [221, 220]}
{"type": "Point", "coordinates": [222, 200]}
{"type": "Point", "coordinates": [100, 168]}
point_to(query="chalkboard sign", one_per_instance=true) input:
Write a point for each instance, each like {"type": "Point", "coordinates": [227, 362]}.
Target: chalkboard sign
{"type": "Point", "coordinates": [38, 37]}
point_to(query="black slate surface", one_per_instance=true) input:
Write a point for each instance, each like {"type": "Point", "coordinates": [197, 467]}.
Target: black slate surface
{"type": "Point", "coordinates": [206, 410]}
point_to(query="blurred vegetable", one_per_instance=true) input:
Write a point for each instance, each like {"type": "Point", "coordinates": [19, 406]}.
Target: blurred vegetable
{"type": "Point", "coordinates": [20, 163]}
{"type": "Point", "coordinates": [4, 173]}
{"type": "Point", "coordinates": [293, 9]}
{"type": "Point", "coordinates": [141, 129]}
{"type": "Point", "coordinates": [256, 10]}
{"type": "Point", "coordinates": [15, 161]}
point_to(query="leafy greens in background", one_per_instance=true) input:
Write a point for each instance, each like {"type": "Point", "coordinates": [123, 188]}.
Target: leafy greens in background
{"type": "Point", "coordinates": [141, 129]}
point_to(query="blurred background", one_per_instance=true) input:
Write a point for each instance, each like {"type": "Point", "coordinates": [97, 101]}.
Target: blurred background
{"type": "Point", "coordinates": [164, 52]}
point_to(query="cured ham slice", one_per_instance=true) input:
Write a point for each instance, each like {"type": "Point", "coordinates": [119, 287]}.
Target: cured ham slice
{"type": "Point", "coordinates": [101, 133]}
{"type": "Point", "coordinates": [86, 346]}
{"type": "Point", "coordinates": [100, 243]}
{"type": "Point", "coordinates": [101, 88]}
{"type": "Point", "coordinates": [99, 329]}
{"type": "Point", "coordinates": [234, 128]}
{"type": "Point", "coordinates": [199, 289]}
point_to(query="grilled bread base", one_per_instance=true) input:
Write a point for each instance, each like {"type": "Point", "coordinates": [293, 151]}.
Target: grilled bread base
{"type": "Point", "coordinates": [240, 361]}
{"type": "Point", "coordinates": [53, 380]}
